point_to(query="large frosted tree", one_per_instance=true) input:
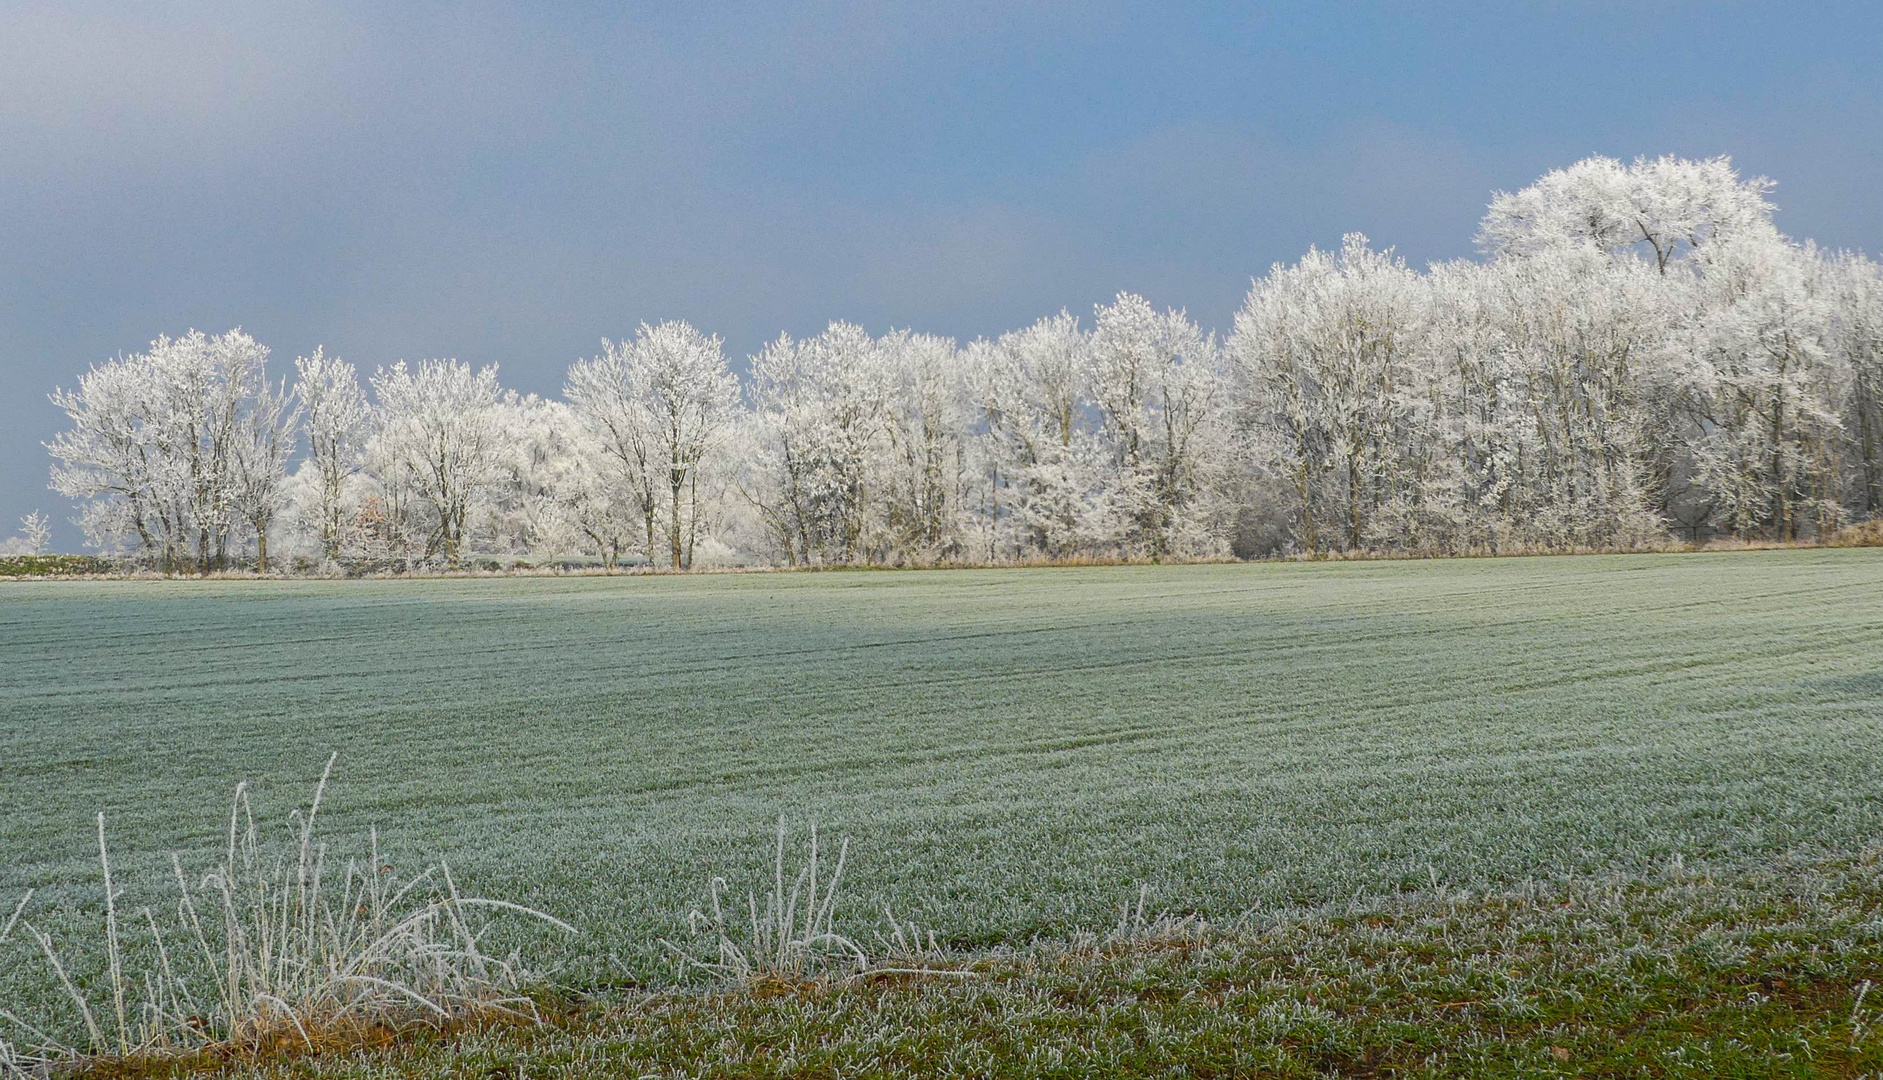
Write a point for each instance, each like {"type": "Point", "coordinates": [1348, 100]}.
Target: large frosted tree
{"type": "Point", "coordinates": [659, 407]}
{"type": "Point", "coordinates": [693, 400]}
{"type": "Point", "coordinates": [1658, 209]}
{"type": "Point", "coordinates": [819, 410]}
{"type": "Point", "coordinates": [925, 466]}
{"type": "Point", "coordinates": [1762, 390]}
{"type": "Point", "coordinates": [161, 445]}
{"type": "Point", "coordinates": [1153, 379]}
{"type": "Point", "coordinates": [1325, 353]}
{"type": "Point", "coordinates": [438, 439]}
{"type": "Point", "coordinates": [1546, 411]}
{"type": "Point", "coordinates": [1038, 453]}
{"type": "Point", "coordinates": [1852, 287]}
{"type": "Point", "coordinates": [258, 458]}
{"type": "Point", "coordinates": [334, 412]}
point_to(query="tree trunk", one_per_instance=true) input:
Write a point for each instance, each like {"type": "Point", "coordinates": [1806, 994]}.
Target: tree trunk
{"type": "Point", "coordinates": [1305, 490]}
{"type": "Point", "coordinates": [1353, 501]}
{"type": "Point", "coordinates": [693, 514]}
{"type": "Point", "coordinates": [673, 523]}
{"type": "Point", "coordinates": [1781, 506]}
{"type": "Point", "coordinates": [1866, 428]}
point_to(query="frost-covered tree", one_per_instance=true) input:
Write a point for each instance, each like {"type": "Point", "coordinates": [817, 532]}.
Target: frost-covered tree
{"type": "Point", "coordinates": [259, 463]}
{"type": "Point", "coordinates": [592, 499]}
{"type": "Point", "coordinates": [1763, 390]}
{"type": "Point", "coordinates": [693, 400]}
{"type": "Point", "coordinates": [1153, 380]}
{"type": "Point", "coordinates": [819, 414]}
{"type": "Point", "coordinates": [520, 514]}
{"type": "Point", "coordinates": [659, 407]}
{"type": "Point", "coordinates": [437, 438]}
{"type": "Point", "coordinates": [1038, 452]}
{"type": "Point", "coordinates": [1737, 377]}
{"type": "Point", "coordinates": [1324, 354]}
{"type": "Point", "coordinates": [1546, 415]}
{"type": "Point", "coordinates": [1660, 209]}
{"type": "Point", "coordinates": [34, 538]}
{"type": "Point", "coordinates": [1852, 286]}
{"type": "Point", "coordinates": [608, 395]}
{"type": "Point", "coordinates": [334, 412]}
{"type": "Point", "coordinates": [153, 447]}
{"type": "Point", "coordinates": [925, 468]}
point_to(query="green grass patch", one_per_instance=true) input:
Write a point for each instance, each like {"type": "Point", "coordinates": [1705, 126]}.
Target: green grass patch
{"type": "Point", "coordinates": [1675, 974]}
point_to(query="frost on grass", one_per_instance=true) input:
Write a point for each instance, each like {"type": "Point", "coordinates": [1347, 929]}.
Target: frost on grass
{"type": "Point", "coordinates": [277, 947]}
{"type": "Point", "coordinates": [792, 935]}
{"type": "Point", "coordinates": [1677, 972]}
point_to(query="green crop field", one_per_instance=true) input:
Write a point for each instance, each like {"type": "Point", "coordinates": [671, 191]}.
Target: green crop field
{"type": "Point", "coordinates": [1010, 752]}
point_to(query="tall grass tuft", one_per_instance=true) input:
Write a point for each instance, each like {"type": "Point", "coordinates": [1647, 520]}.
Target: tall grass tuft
{"type": "Point", "coordinates": [13, 1062]}
{"type": "Point", "coordinates": [792, 936]}
{"type": "Point", "coordinates": [279, 949]}
{"type": "Point", "coordinates": [1137, 926]}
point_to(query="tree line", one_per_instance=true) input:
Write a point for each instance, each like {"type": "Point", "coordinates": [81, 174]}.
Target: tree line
{"type": "Point", "coordinates": [1640, 356]}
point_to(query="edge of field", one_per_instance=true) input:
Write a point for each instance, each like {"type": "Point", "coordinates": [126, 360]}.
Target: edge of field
{"type": "Point", "coordinates": [1682, 973]}
{"type": "Point", "coordinates": [101, 568]}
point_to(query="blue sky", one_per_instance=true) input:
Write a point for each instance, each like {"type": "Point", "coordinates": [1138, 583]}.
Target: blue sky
{"type": "Point", "coordinates": [508, 184]}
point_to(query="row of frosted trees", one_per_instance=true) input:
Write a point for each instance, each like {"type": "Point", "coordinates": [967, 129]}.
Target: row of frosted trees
{"type": "Point", "coordinates": [1640, 356]}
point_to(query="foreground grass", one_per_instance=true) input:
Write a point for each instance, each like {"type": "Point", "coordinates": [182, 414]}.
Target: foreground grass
{"type": "Point", "coordinates": [1679, 974]}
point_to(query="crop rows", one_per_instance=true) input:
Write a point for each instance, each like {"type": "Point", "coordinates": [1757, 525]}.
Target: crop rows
{"type": "Point", "coordinates": [1011, 752]}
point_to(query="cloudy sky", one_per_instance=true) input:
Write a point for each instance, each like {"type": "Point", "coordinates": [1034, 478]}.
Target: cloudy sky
{"type": "Point", "coordinates": [508, 184]}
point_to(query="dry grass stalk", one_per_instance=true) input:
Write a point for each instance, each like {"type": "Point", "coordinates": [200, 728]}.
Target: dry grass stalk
{"type": "Point", "coordinates": [283, 952]}
{"type": "Point", "coordinates": [1137, 926]}
{"type": "Point", "coordinates": [12, 1061]}
{"type": "Point", "coordinates": [792, 937]}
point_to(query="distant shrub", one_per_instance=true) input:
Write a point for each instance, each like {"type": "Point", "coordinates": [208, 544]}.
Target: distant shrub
{"type": "Point", "coordinates": [54, 565]}
{"type": "Point", "coordinates": [1868, 534]}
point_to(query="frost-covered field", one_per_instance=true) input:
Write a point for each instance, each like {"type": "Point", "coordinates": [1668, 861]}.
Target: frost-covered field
{"type": "Point", "coordinates": [1009, 751]}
